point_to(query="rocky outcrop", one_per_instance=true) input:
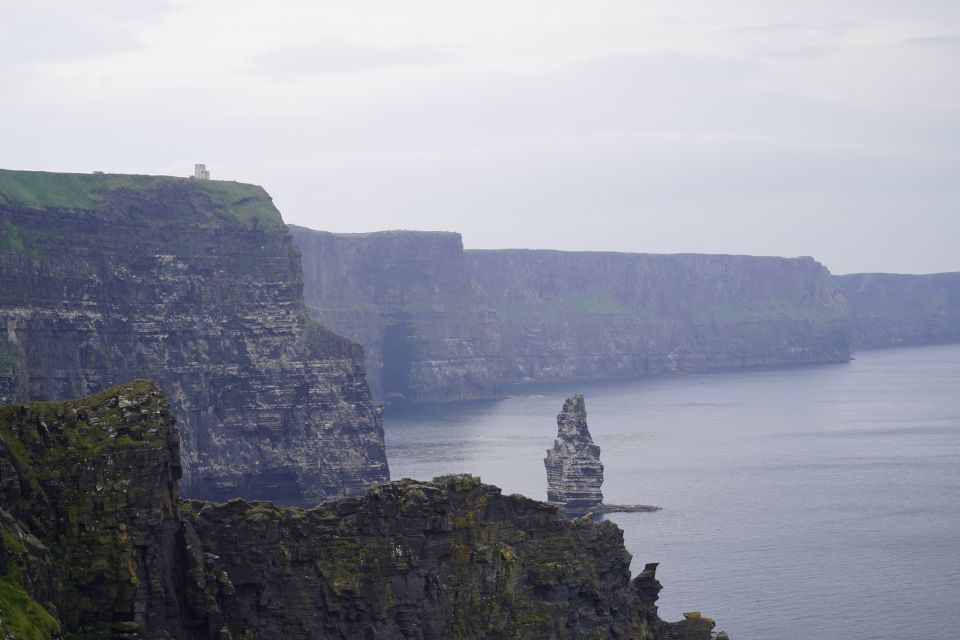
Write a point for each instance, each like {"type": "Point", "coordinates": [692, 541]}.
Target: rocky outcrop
{"type": "Point", "coordinates": [579, 315]}
{"type": "Point", "coordinates": [106, 278]}
{"type": "Point", "coordinates": [90, 512]}
{"type": "Point", "coordinates": [96, 543]}
{"type": "Point", "coordinates": [429, 335]}
{"type": "Point", "coordinates": [574, 470]}
{"type": "Point", "coordinates": [442, 324]}
{"type": "Point", "coordinates": [889, 310]}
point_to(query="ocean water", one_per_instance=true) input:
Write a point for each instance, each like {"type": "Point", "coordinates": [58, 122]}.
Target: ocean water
{"type": "Point", "coordinates": [817, 502]}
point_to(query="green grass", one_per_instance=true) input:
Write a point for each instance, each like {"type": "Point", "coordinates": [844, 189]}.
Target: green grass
{"type": "Point", "coordinates": [231, 204]}
{"type": "Point", "coordinates": [770, 309]}
{"type": "Point", "coordinates": [570, 306]}
{"type": "Point", "coordinates": [85, 439]}
{"type": "Point", "coordinates": [22, 616]}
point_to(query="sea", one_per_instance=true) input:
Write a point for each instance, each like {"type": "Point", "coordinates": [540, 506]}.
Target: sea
{"type": "Point", "coordinates": [816, 502]}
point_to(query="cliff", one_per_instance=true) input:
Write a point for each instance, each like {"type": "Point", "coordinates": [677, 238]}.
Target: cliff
{"type": "Point", "coordinates": [444, 324]}
{"type": "Point", "coordinates": [428, 334]}
{"type": "Point", "coordinates": [578, 315]}
{"type": "Point", "coordinates": [574, 470]}
{"type": "Point", "coordinates": [888, 310]}
{"type": "Point", "coordinates": [105, 278]}
{"type": "Point", "coordinates": [96, 543]}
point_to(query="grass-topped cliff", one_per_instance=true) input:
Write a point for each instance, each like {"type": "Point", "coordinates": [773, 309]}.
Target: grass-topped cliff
{"type": "Point", "coordinates": [195, 284]}
{"type": "Point", "coordinates": [116, 197]}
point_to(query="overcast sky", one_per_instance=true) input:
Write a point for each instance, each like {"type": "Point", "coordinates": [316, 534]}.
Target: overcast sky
{"type": "Point", "coordinates": [828, 128]}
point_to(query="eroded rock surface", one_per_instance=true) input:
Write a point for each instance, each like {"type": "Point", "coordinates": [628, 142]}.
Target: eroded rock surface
{"type": "Point", "coordinates": [96, 543]}
{"type": "Point", "coordinates": [574, 470]}
{"type": "Point", "coordinates": [196, 284]}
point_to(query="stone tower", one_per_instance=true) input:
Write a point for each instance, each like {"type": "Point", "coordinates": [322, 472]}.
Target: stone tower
{"type": "Point", "coordinates": [200, 172]}
{"type": "Point", "coordinates": [574, 470]}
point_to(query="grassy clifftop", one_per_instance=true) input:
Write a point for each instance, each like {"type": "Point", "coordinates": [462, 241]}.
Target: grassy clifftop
{"type": "Point", "coordinates": [120, 197]}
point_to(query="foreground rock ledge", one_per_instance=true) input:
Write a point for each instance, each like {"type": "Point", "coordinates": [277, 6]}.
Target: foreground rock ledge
{"type": "Point", "coordinates": [95, 541]}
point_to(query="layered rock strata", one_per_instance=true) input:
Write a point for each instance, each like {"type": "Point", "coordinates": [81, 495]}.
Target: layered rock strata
{"type": "Point", "coordinates": [579, 315]}
{"type": "Point", "coordinates": [96, 543]}
{"type": "Point", "coordinates": [574, 470]}
{"type": "Point", "coordinates": [429, 335]}
{"type": "Point", "coordinates": [105, 278]}
{"type": "Point", "coordinates": [439, 323]}
{"type": "Point", "coordinates": [891, 310]}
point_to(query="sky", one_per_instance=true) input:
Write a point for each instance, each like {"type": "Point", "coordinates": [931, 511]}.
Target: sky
{"type": "Point", "coordinates": [828, 128]}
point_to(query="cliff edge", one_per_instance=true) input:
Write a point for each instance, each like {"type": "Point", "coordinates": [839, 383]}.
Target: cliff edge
{"type": "Point", "coordinates": [96, 542]}
{"type": "Point", "coordinates": [440, 323]}
{"type": "Point", "coordinates": [196, 284]}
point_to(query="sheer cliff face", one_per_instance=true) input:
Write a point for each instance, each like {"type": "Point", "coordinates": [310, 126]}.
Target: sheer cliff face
{"type": "Point", "coordinates": [439, 323]}
{"type": "Point", "coordinates": [197, 285]}
{"type": "Point", "coordinates": [889, 310]}
{"type": "Point", "coordinates": [406, 297]}
{"type": "Point", "coordinates": [95, 542]}
{"type": "Point", "coordinates": [569, 315]}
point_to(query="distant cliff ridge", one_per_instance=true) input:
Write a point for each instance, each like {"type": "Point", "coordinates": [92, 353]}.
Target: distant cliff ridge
{"type": "Point", "coordinates": [97, 543]}
{"type": "Point", "coordinates": [579, 315]}
{"type": "Point", "coordinates": [889, 310]}
{"type": "Point", "coordinates": [196, 284]}
{"type": "Point", "coordinates": [429, 335]}
{"type": "Point", "coordinates": [439, 323]}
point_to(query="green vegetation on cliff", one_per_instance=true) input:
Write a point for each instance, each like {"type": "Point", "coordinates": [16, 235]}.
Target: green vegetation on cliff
{"type": "Point", "coordinates": [115, 197]}
{"type": "Point", "coordinates": [95, 543]}
{"type": "Point", "coordinates": [84, 483]}
{"type": "Point", "coordinates": [20, 615]}
{"type": "Point", "coordinates": [194, 284]}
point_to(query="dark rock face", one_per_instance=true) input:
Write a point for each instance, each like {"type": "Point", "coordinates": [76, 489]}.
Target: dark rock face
{"type": "Point", "coordinates": [195, 284]}
{"type": "Point", "coordinates": [90, 509]}
{"type": "Point", "coordinates": [429, 335]}
{"type": "Point", "coordinates": [574, 471]}
{"type": "Point", "coordinates": [442, 324]}
{"type": "Point", "coordinates": [95, 542]}
{"type": "Point", "coordinates": [579, 315]}
{"type": "Point", "coordinates": [889, 310]}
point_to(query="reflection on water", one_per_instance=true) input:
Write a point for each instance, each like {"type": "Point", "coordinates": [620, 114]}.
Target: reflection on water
{"type": "Point", "coordinates": [820, 501]}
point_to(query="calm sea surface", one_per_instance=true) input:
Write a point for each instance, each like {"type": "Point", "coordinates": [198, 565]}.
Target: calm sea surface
{"type": "Point", "coordinates": [819, 502]}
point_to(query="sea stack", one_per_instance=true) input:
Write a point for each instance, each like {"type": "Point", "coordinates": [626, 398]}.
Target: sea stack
{"type": "Point", "coordinates": [574, 470]}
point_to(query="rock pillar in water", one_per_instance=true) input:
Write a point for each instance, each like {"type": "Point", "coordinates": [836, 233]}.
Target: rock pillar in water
{"type": "Point", "coordinates": [574, 470]}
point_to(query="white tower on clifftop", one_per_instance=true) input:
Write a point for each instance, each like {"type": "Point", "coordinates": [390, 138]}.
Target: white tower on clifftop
{"type": "Point", "coordinates": [200, 172]}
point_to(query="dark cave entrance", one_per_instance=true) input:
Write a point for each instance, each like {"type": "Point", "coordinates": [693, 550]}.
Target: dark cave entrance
{"type": "Point", "coordinates": [395, 376]}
